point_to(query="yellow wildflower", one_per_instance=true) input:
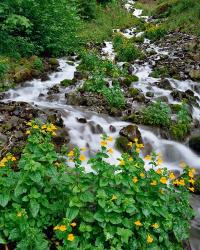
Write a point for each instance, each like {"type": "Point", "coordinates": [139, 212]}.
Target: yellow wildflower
{"type": "Point", "coordinates": [82, 158]}
{"type": "Point", "coordinates": [122, 163]}
{"type": "Point", "coordinates": [159, 171]}
{"type": "Point", "coordinates": [71, 154]}
{"type": "Point", "coordinates": [171, 176]}
{"type": "Point", "coordinates": [155, 225]}
{"type": "Point", "coordinates": [103, 143]}
{"type": "Point", "coordinates": [73, 224]}
{"type": "Point", "coordinates": [44, 126]}
{"type": "Point", "coordinates": [138, 223]}
{"type": "Point", "coordinates": [54, 133]}
{"type": "Point", "coordinates": [191, 189]}
{"type": "Point", "coordinates": [56, 228]}
{"type": "Point", "coordinates": [136, 140]}
{"type": "Point", "coordinates": [114, 197]}
{"type": "Point", "coordinates": [9, 157]}
{"type": "Point", "coordinates": [192, 181]}
{"type": "Point", "coordinates": [110, 139]}
{"type": "Point", "coordinates": [70, 237]}
{"type": "Point", "coordinates": [181, 182]}
{"type": "Point", "coordinates": [139, 145]}
{"type": "Point", "coordinates": [142, 175]}
{"type": "Point", "coordinates": [53, 127]}
{"type": "Point", "coordinates": [137, 150]}
{"type": "Point", "coordinates": [62, 228]}
{"type": "Point", "coordinates": [135, 179]}
{"type": "Point", "coordinates": [153, 183]}
{"type": "Point", "coordinates": [35, 126]}
{"type": "Point", "coordinates": [159, 161]}
{"type": "Point", "coordinates": [147, 158]}
{"type": "Point", "coordinates": [83, 149]}
{"type": "Point", "coordinates": [163, 180]}
{"type": "Point", "coordinates": [149, 239]}
{"type": "Point", "coordinates": [29, 123]}
{"type": "Point", "coordinates": [28, 132]}
{"type": "Point", "coordinates": [130, 144]}
{"type": "Point", "coordinates": [191, 174]}
{"type": "Point", "coordinates": [13, 158]}
{"type": "Point", "coordinates": [2, 164]}
{"type": "Point", "coordinates": [110, 150]}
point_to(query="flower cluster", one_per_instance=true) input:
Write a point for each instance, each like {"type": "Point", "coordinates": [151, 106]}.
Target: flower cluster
{"type": "Point", "coordinates": [8, 158]}
{"type": "Point", "coordinates": [44, 128]}
{"type": "Point", "coordinates": [63, 228]}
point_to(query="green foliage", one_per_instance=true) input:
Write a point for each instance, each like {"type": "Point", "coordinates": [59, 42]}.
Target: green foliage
{"type": "Point", "coordinates": [87, 9]}
{"type": "Point", "coordinates": [3, 68]}
{"type": "Point", "coordinates": [160, 72]}
{"type": "Point", "coordinates": [155, 32]}
{"type": "Point", "coordinates": [38, 64]}
{"type": "Point", "coordinates": [125, 49]}
{"type": "Point", "coordinates": [158, 113]}
{"type": "Point", "coordinates": [182, 126]}
{"type": "Point", "coordinates": [119, 206]}
{"type": "Point", "coordinates": [114, 96]}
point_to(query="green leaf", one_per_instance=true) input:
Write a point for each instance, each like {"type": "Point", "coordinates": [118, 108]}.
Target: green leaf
{"type": "Point", "coordinates": [71, 213]}
{"type": "Point", "coordinates": [115, 219]}
{"type": "Point", "coordinates": [34, 207]}
{"type": "Point", "coordinates": [19, 190]}
{"type": "Point", "coordinates": [103, 182]}
{"type": "Point", "coordinates": [36, 177]}
{"type": "Point", "coordinates": [124, 233]}
{"type": "Point", "coordinates": [99, 216]}
{"type": "Point", "coordinates": [4, 199]}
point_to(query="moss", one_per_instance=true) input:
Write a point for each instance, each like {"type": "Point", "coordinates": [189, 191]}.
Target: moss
{"type": "Point", "coordinates": [160, 72]}
{"type": "Point", "coordinates": [179, 131]}
{"type": "Point", "coordinates": [130, 79]}
{"type": "Point", "coordinates": [54, 61]}
{"type": "Point", "coordinates": [175, 107]}
{"type": "Point", "coordinates": [67, 82]}
{"type": "Point", "coordinates": [122, 144]}
{"type": "Point", "coordinates": [133, 92]}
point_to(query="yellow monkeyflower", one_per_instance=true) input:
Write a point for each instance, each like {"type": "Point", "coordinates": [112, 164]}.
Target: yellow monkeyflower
{"type": "Point", "coordinates": [29, 123]}
{"type": "Point", "coordinates": [138, 223]}
{"type": "Point", "coordinates": [53, 127]}
{"type": "Point", "coordinates": [191, 189]}
{"type": "Point", "coordinates": [2, 164]}
{"type": "Point", "coordinates": [191, 174]}
{"type": "Point", "coordinates": [114, 197]}
{"type": "Point", "coordinates": [147, 158]}
{"type": "Point", "coordinates": [142, 175]}
{"type": "Point", "coordinates": [139, 145]}
{"type": "Point", "coordinates": [172, 176]}
{"type": "Point", "coordinates": [110, 139]}
{"type": "Point", "coordinates": [70, 237]}
{"type": "Point", "coordinates": [110, 150]}
{"type": "Point", "coordinates": [73, 224]}
{"type": "Point", "coordinates": [159, 171]}
{"type": "Point", "coordinates": [130, 144]}
{"type": "Point", "coordinates": [181, 182]}
{"type": "Point", "coordinates": [153, 183]}
{"type": "Point", "coordinates": [83, 149]}
{"type": "Point", "coordinates": [82, 158]}
{"type": "Point", "coordinates": [122, 163]}
{"type": "Point", "coordinates": [192, 181]}
{"type": "Point", "coordinates": [130, 158]}
{"type": "Point", "coordinates": [36, 126]}
{"type": "Point", "coordinates": [103, 143]}
{"type": "Point", "coordinates": [28, 132]}
{"type": "Point", "coordinates": [155, 225]}
{"type": "Point", "coordinates": [135, 179]}
{"type": "Point", "coordinates": [159, 161]}
{"type": "Point", "coordinates": [137, 150]}
{"type": "Point", "coordinates": [136, 140]}
{"type": "Point", "coordinates": [54, 133]}
{"type": "Point", "coordinates": [62, 228]}
{"type": "Point", "coordinates": [44, 126]}
{"type": "Point", "coordinates": [13, 158]}
{"type": "Point", "coordinates": [163, 180]}
{"type": "Point", "coordinates": [149, 239]}
{"type": "Point", "coordinates": [71, 154]}
{"type": "Point", "coordinates": [56, 228]}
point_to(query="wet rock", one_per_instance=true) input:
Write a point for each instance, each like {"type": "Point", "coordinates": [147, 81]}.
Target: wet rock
{"type": "Point", "coordinates": [61, 138]}
{"type": "Point", "coordinates": [67, 82]}
{"type": "Point", "coordinates": [150, 94]}
{"type": "Point", "coordinates": [44, 77]}
{"type": "Point", "coordinates": [22, 75]}
{"type": "Point", "coordinates": [133, 92]}
{"type": "Point", "coordinates": [112, 129]}
{"type": "Point", "coordinates": [131, 132]}
{"type": "Point", "coordinates": [78, 75]}
{"type": "Point", "coordinates": [53, 90]}
{"type": "Point", "coordinates": [195, 74]}
{"type": "Point", "coordinates": [53, 62]}
{"type": "Point", "coordinates": [95, 128]}
{"type": "Point", "coordinates": [164, 84]}
{"type": "Point", "coordinates": [194, 144]}
{"type": "Point", "coordinates": [129, 80]}
{"type": "Point", "coordinates": [122, 144]}
{"type": "Point", "coordinates": [81, 120]}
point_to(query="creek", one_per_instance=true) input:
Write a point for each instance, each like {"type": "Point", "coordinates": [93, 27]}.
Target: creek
{"type": "Point", "coordinates": [87, 134]}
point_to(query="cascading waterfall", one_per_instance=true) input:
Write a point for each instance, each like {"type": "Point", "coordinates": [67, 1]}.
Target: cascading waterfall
{"type": "Point", "coordinates": [88, 134]}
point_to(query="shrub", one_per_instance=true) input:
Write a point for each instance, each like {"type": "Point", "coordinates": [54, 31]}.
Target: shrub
{"type": "Point", "coordinates": [3, 69]}
{"type": "Point", "coordinates": [114, 96]}
{"type": "Point", "coordinates": [38, 64]}
{"type": "Point", "coordinates": [158, 113]}
{"type": "Point", "coordinates": [125, 49]}
{"type": "Point", "coordinates": [47, 205]}
{"type": "Point", "coordinates": [155, 33]}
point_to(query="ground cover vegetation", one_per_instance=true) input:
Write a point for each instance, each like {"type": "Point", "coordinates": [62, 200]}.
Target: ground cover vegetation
{"type": "Point", "coordinates": [45, 203]}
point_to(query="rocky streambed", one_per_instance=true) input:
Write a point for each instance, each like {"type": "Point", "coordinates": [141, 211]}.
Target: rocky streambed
{"type": "Point", "coordinates": [83, 117]}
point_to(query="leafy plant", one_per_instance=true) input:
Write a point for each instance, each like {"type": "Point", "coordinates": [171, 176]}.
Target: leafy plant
{"type": "Point", "coordinates": [158, 113]}
{"type": "Point", "coordinates": [155, 32]}
{"type": "Point", "coordinates": [114, 96]}
{"type": "Point", "coordinates": [47, 204]}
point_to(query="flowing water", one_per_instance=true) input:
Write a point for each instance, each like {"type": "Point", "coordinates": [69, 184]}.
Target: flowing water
{"type": "Point", "coordinates": [88, 134]}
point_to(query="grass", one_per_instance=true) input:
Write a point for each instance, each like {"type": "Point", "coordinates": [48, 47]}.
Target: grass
{"type": "Point", "coordinates": [184, 14]}
{"type": "Point", "coordinates": [113, 16]}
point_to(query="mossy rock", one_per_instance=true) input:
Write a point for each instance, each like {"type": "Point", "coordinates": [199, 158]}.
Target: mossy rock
{"type": "Point", "coordinates": [134, 92]}
{"type": "Point", "coordinates": [53, 61]}
{"type": "Point", "coordinates": [122, 144]}
{"type": "Point", "coordinates": [175, 107]}
{"type": "Point", "coordinates": [130, 79]}
{"type": "Point", "coordinates": [24, 74]}
{"type": "Point", "coordinates": [160, 72]}
{"type": "Point", "coordinates": [67, 82]}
